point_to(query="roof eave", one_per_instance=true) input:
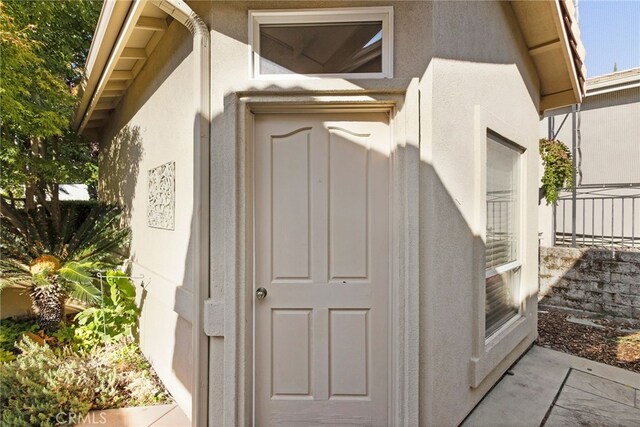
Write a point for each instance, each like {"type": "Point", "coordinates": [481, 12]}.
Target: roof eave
{"type": "Point", "coordinates": [570, 60]}
{"type": "Point", "coordinates": [110, 22]}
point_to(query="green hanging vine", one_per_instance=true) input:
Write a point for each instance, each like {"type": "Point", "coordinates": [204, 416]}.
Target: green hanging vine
{"type": "Point", "coordinates": [558, 168]}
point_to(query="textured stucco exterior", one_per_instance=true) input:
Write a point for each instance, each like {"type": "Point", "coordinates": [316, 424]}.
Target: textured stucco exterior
{"type": "Point", "coordinates": [152, 126]}
{"type": "Point", "coordinates": [479, 59]}
{"type": "Point", "coordinates": [473, 73]}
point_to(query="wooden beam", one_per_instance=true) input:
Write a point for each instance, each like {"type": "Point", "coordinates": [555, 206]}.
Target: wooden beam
{"type": "Point", "coordinates": [91, 124]}
{"type": "Point", "coordinates": [100, 115]}
{"type": "Point", "coordinates": [133, 53]}
{"type": "Point", "coordinates": [105, 106]}
{"type": "Point", "coordinates": [111, 94]}
{"type": "Point", "coordinates": [545, 47]}
{"type": "Point", "coordinates": [121, 75]}
{"type": "Point", "coordinates": [149, 23]}
{"type": "Point", "coordinates": [558, 99]}
{"type": "Point", "coordinates": [117, 85]}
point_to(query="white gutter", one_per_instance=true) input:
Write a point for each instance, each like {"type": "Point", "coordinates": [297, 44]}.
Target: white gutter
{"type": "Point", "coordinates": [181, 12]}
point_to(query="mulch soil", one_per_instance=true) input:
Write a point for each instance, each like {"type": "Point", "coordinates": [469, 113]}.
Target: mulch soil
{"type": "Point", "coordinates": [615, 343]}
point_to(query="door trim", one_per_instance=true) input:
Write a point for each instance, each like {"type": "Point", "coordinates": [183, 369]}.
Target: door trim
{"type": "Point", "coordinates": [232, 189]}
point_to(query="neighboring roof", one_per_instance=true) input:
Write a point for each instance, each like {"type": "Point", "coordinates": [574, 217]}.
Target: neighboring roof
{"type": "Point", "coordinates": [611, 82]}
{"type": "Point", "coordinates": [129, 30]}
{"type": "Point", "coordinates": [550, 30]}
{"type": "Point", "coordinates": [73, 192]}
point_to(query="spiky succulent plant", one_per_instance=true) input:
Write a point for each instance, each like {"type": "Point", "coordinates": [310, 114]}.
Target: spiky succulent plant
{"type": "Point", "coordinates": [55, 260]}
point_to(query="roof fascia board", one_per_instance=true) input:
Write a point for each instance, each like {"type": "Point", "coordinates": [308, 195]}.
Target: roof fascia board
{"type": "Point", "coordinates": [566, 49]}
{"type": "Point", "coordinates": [112, 16]}
{"type": "Point", "coordinates": [126, 29]}
{"type": "Point", "coordinates": [618, 83]}
{"type": "Point", "coordinates": [611, 88]}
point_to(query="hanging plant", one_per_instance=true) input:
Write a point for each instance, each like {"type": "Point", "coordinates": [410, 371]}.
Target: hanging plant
{"type": "Point", "coordinates": [558, 168]}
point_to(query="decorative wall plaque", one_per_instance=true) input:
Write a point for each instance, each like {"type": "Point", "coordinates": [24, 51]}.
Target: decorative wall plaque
{"type": "Point", "coordinates": [162, 195]}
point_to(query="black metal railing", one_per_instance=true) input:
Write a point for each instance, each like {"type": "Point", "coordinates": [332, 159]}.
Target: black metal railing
{"type": "Point", "coordinates": [605, 216]}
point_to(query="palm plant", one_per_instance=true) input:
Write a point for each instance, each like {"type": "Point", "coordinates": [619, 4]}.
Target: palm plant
{"type": "Point", "coordinates": [56, 257]}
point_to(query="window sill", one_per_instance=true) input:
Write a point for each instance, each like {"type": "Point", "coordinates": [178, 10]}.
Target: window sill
{"type": "Point", "coordinates": [497, 347]}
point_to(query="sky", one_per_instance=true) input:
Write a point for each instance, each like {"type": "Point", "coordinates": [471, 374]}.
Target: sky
{"type": "Point", "coordinates": [610, 32]}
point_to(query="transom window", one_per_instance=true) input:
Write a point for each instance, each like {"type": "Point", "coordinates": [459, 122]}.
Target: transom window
{"type": "Point", "coordinates": [354, 42]}
{"type": "Point", "coordinates": [502, 245]}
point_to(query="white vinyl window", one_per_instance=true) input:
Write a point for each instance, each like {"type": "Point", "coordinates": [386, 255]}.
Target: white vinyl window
{"type": "Point", "coordinates": [502, 244]}
{"type": "Point", "coordinates": [346, 42]}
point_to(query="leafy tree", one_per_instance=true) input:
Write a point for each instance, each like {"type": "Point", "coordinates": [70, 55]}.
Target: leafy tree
{"type": "Point", "coordinates": [44, 49]}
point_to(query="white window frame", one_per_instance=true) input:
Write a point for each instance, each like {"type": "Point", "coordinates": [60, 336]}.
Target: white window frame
{"type": "Point", "coordinates": [320, 16]}
{"type": "Point", "coordinates": [489, 353]}
{"type": "Point", "coordinates": [513, 267]}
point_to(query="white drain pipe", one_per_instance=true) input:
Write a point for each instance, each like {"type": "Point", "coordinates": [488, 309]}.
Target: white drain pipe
{"type": "Point", "coordinates": [181, 12]}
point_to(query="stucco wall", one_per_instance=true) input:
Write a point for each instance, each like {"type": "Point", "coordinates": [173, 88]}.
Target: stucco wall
{"type": "Point", "coordinates": [230, 72]}
{"type": "Point", "coordinates": [466, 55]}
{"type": "Point", "coordinates": [481, 60]}
{"type": "Point", "coordinates": [153, 125]}
{"type": "Point", "coordinates": [15, 302]}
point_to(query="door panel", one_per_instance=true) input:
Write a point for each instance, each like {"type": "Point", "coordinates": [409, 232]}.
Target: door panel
{"type": "Point", "coordinates": [348, 222]}
{"type": "Point", "coordinates": [349, 353]}
{"type": "Point", "coordinates": [321, 188]}
{"type": "Point", "coordinates": [291, 364]}
{"type": "Point", "coordinates": [290, 204]}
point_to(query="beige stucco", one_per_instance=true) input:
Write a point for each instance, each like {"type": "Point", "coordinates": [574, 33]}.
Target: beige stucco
{"type": "Point", "coordinates": [468, 70]}
{"type": "Point", "coordinates": [153, 125]}
{"type": "Point", "coordinates": [472, 70]}
{"type": "Point", "coordinates": [15, 302]}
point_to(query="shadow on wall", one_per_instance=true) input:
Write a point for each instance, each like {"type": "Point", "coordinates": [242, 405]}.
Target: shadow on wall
{"type": "Point", "coordinates": [599, 281]}
{"type": "Point", "coordinates": [441, 210]}
{"type": "Point", "coordinates": [121, 158]}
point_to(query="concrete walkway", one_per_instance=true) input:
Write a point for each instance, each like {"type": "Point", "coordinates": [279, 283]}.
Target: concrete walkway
{"type": "Point", "coordinates": [549, 388]}
{"type": "Point", "coordinates": [156, 416]}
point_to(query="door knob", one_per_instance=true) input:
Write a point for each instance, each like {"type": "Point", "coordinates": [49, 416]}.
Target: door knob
{"type": "Point", "coordinates": [261, 293]}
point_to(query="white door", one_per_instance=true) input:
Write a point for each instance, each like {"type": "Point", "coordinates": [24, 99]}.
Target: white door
{"type": "Point", "coordinates": [322, 254]}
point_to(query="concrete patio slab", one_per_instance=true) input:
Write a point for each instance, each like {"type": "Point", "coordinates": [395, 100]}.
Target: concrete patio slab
{"type": "Point", "coordinates": [157, 416]}
{"type": "Point", "coordinates": [587, 392]}
{"type": "Point", "coordinates": [601, 387]}
{"type": "Point", "coordinates": [578, 404]}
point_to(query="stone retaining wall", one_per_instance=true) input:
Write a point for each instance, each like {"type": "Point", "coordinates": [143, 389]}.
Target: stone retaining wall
{"type": "Point", "coordinates": [594, 280]}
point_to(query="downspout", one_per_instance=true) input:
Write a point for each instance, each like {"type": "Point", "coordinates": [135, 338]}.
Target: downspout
{"type": "Point", "coordinates": [182, 13]}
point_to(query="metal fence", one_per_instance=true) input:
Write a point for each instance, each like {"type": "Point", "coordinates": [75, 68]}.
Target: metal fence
{"type": "Point", "coordinates": [598, 216]}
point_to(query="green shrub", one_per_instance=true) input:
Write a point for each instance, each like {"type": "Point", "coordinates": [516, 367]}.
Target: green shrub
{"type": "Point", "coordinates": [114, 320]}
{"type": "Point", "coordinates": [46, 387]}
{"type": "Point", "coordinates": [41, 384]}
{"type": "Point", "coordinates": [10, 331]}
{"type": "Point", "coordinates": [558, 168]}
{"type": "Point", "coordinates": [137, 381]}
{"type": "Point", "coordinates": [6, 356]}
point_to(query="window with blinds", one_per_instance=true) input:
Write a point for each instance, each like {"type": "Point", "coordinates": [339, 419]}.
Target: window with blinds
{"type": "Point", "coordinates": [502, 263]}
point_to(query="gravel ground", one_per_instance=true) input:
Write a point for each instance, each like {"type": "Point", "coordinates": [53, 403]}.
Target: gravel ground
{"type": "Point", "coordinates": [612, 342]}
